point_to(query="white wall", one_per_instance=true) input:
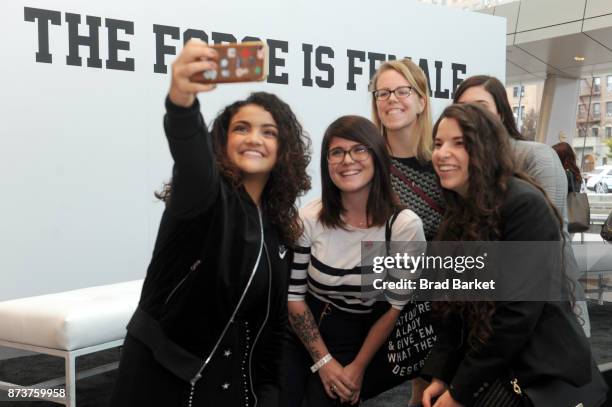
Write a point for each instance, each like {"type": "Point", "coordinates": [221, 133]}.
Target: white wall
{"type": "Point", "coordinates": [82, 148]}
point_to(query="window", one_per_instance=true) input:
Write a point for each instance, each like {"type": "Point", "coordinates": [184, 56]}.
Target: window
{"type": "Point", "coordinates": [596, 110]}
{"type": "Point", "coordinates": [609, 109]}
{"type": "Point", "coordinates": [608, 132]}
{"type": "Point", "coordinates": [515, 91]}
{"type": "Point", "coordinates": [596, 85]}
{"type": "Point", "coordinates": [609, 83]}
{"type": "Point", "coordinates": [595, 131]}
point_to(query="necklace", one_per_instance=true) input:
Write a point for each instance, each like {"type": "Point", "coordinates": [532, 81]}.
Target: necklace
{"type": "Point", "coordinates": [357, 224]}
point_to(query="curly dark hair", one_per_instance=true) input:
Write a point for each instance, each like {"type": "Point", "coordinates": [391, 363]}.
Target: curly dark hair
{"type": "Point", "coordinates": [382, 202]}
{"type": "Point", "coordinates": [289, 178]}
{"type": "Point", "coordinates": [477, 217]}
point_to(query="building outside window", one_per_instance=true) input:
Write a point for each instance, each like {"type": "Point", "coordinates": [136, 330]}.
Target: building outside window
{"type": "Point", "coordinates": [596, 85]}
{"type": "Point", "coordinates": [515, 91]}
{"type": "Point", "coordinates": [596, 110]}
{"type": "Point", "coordinates": [519, 112]}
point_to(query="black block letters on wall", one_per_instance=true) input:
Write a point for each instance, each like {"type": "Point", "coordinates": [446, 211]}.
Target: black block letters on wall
{"type": "Point", "coordinates": [83, 32]}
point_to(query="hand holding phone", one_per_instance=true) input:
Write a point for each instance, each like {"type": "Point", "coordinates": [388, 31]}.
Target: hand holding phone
{"type": "Point", "coordinates": [195, 57]}
{"type": "Point", "coordinates": [243, 62]}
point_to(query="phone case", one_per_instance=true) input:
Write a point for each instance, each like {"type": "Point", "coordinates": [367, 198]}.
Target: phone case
{"type": "Point", "coordinates": [244, 62]}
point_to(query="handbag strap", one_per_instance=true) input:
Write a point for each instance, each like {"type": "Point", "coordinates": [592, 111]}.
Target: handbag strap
{"type": "Point", "coordinates": [417, 190]}
{"type": "Point", "coordinates": [388, 229]}
{"type": "Point", "coordinates": [571, 181]}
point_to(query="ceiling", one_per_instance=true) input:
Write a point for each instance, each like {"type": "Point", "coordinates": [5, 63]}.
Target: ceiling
{"type": "Point", "coordinates": [544, 36]}
{"type": "Point", "coordinates": [531, 61]}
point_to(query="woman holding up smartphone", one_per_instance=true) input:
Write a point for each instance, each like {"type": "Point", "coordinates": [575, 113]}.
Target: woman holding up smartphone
{"type": "Point", "coordinates": [213, 308]}
{"type": "Point", "coordinates": [330, 311]}
{"type": "Point", "coordinates": [486, 344]}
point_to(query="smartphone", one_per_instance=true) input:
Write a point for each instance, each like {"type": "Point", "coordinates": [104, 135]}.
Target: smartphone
{"type": "Point", "coordinates": [241, 62]}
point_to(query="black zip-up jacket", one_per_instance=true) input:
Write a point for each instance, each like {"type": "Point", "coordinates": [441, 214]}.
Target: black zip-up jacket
{"type": "Point", "coordinates": [208, 245]}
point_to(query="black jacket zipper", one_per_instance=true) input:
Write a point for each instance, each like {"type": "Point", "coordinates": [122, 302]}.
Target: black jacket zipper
{"type": "Point", "coordinates": [180, 283]}
{"type": "Point", "coordinates": [198, 375]}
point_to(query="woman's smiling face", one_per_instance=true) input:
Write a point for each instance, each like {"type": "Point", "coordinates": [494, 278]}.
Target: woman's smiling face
{"type": "Point", "coordinates": [252, 141]}
{"type": "Point", "coordinates": [450, 158]}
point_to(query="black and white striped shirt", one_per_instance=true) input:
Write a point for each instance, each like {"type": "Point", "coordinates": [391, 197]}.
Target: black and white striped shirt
{"type": "Point", "coordinates": [327, 262]}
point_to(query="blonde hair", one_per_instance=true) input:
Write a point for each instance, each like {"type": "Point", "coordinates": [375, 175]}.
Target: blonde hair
{"type": "Point", "coordinates": [417, 79]}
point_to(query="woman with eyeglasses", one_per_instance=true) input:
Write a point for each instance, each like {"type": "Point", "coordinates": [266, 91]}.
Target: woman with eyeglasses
{"type": "Point", "coordinates": [401, 111]}
{"type": "Point", "coordinates": [334, 331]}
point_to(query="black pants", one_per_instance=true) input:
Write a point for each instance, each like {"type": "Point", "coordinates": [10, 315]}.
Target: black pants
{"type": "Point", "coordinates": [343, 334]}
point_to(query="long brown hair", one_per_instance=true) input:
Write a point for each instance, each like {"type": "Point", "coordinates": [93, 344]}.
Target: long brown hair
{"type": "Point", "coordinates": [288, 179]}
{"type": "Point", "coordinates": [478, 216]}
{"type": "Point", "coordinates": [498, 92]}
{"type": "Point", "coordinates": [568, 159]}
{"type": "Point", "coordinates": [382, 202]}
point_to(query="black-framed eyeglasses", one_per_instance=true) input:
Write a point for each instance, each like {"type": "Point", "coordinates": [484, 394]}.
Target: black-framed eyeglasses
{"type": "Point", "coordinates": [358, 152]}
{"type": "Point", "coordinates": [401, 92]}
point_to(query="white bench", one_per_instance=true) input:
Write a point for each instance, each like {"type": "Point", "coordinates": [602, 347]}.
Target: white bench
{"type": "Point", "coordinates": [68, 325]}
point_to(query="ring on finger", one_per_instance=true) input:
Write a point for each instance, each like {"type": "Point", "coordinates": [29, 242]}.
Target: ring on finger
{"type": "Point", "coordinates": [333, 388]}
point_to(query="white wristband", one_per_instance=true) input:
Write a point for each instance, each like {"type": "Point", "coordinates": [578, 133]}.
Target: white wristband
{"type": "Point", "coordinates": [322, 362]}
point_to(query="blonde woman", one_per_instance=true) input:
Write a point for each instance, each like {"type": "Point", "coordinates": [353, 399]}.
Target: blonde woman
{"type": "Point", "coordinates": [401, 110]}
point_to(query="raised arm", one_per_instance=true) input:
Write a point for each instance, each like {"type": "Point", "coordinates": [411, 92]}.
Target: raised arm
{"type": "Point", "coordinates": [194, 177]}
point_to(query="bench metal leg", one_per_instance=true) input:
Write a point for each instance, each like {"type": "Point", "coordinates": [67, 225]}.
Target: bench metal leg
{"type": "Point", "coordinates": [71, 375]}
{"type": "Point", "coordinates": [70, 380]}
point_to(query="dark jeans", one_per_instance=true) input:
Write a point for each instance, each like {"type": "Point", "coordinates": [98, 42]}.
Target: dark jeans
{"type": "Point", "coordinates": [343, 334]}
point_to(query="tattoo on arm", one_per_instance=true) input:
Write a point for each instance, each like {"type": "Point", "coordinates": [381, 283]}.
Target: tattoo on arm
{"type": "Point", "coordinates": [305, 326]}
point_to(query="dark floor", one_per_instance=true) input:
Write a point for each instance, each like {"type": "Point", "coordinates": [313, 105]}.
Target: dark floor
{"type": "Point", "coordinates": [95, 391]}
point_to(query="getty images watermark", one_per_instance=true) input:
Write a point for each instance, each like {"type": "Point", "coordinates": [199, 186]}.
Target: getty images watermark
{"type": "Point", "coordinates": [465, 271]}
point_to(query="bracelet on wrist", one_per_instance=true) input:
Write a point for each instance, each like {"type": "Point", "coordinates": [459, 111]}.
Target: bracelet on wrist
{"type": "Point", "coordinates": [322, 362]}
